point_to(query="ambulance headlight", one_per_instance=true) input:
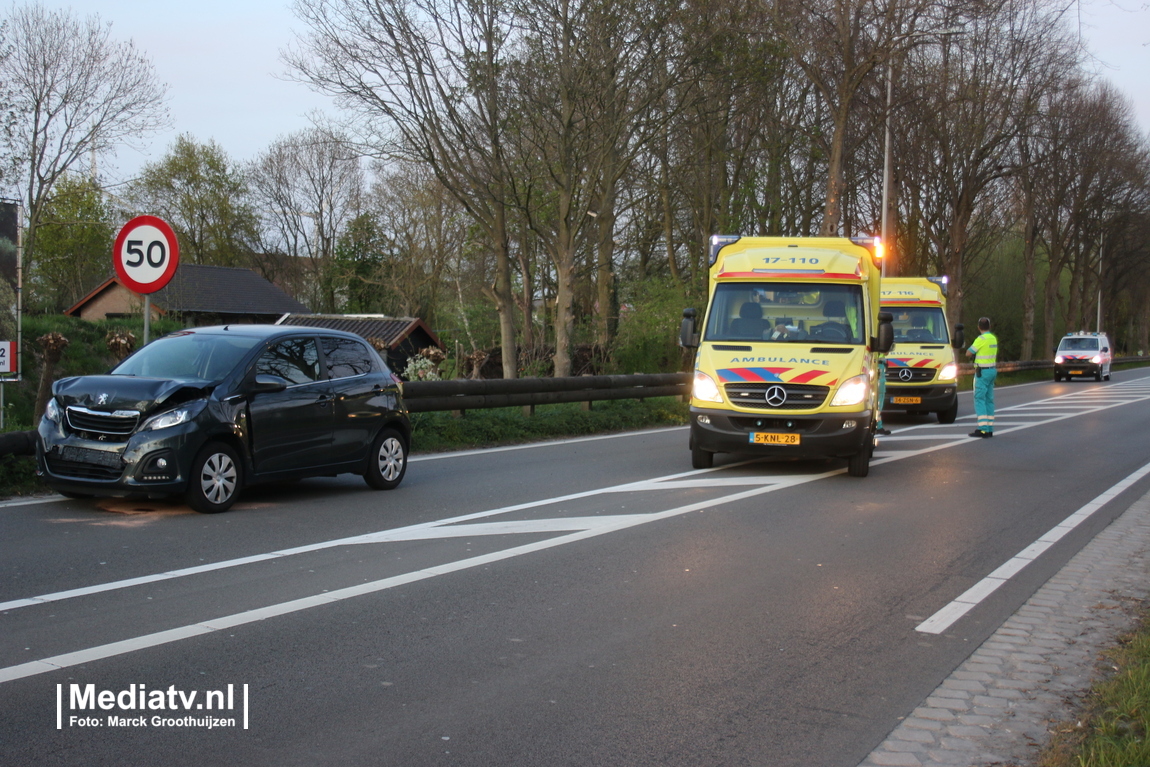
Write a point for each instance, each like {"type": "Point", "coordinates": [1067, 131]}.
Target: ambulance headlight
{"type": "Point", "coordinates": [1059, 360]}
{"type": "Point", "coordinates": [852, 392]}
{"type": "Point", "coordinates": [705, 389]}
{"type": "Point", "coordinates": [949, 372]}
{"type": "Point", "coordinates": [1096, 359]}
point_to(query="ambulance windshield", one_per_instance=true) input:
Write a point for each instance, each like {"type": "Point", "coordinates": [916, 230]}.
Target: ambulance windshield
{"type": "Point", "coordinates": [786, 313]}
{"type": "Point", "coordinates": [919, 325]}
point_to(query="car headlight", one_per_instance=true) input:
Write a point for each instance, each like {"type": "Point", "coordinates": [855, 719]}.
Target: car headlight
{"type": "Point", "coordinates": [174, 417]}
{"type": "Point", "coordinates": [949, 372]}
{"type": "Point", "coordinates": [52, 411]}
{"type": "Point", "coordinates": [1059, 360]}
{"type": "Point", "coordinates": [1096, 359]}
{"type": "Point", "coordinates": [851, 392]}
{"type": "Point", "coordinates": [705, 388]}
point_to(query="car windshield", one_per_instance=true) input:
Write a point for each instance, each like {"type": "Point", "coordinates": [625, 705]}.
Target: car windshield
{"type": "Point", "coordinates": [202, 356]}
{"type": "Point", "coordinates": [786, 313]}
{"type": "Point", "coordinates": [919, 325]}
{"type": "Point", "coordinates": [1078, 345]}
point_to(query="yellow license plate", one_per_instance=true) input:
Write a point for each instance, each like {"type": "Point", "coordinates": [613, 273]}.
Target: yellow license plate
{"type": "Point", "coordinates": [771, 438]}
{"type": "Point", "coordinates": [906, 400]}
{"type": "Point", "coordinates": [1075, 372]}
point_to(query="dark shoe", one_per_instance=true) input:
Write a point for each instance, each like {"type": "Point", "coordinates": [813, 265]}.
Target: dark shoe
{"type": "Point", "coordinates": [988, 434]}
{"type": "Point", "coordinates": [977, 434]}
{"type": "Point", "coordinates": [885, 432]}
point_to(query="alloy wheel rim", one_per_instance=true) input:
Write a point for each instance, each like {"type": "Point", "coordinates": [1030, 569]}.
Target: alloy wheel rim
{"type": "Point", "coordinates": [218, 479]}
{"type": "Point", "coordinates": [391, 459]}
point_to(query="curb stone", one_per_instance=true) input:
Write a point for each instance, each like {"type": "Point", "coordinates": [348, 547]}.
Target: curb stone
{"type": "Point", "coordinates": [1037, 667]}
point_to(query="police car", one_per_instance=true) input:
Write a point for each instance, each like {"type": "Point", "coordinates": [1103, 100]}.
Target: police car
{"type": "Point", "coordinates": [1083, 354]}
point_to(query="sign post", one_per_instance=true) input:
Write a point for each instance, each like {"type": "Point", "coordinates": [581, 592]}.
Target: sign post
{"type": "Point", "coordinates": [145, 256]}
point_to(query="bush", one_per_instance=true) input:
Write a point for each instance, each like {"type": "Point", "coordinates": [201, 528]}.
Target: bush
{"type": "Point", "coordinates": [647, 340]}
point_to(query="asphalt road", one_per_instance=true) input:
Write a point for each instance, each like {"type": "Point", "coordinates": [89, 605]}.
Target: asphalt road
{"type": "Point", "coordinates": [584, 602]}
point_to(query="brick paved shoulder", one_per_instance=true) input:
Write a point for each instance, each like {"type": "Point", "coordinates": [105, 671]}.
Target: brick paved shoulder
{"type": "Point", "coordinates": [996, 708]}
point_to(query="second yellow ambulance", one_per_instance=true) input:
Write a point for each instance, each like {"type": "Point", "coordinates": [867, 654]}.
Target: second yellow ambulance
{"type": "Point", "coordinates": [921, 370]}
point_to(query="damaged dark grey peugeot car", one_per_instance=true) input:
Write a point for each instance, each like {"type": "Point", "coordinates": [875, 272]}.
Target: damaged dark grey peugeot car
{"type": "Point", "coordinates": [205, 412]}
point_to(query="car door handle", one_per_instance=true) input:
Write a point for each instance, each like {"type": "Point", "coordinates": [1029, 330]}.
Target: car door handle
{"type": "Point", "coordinates": [322, 400]}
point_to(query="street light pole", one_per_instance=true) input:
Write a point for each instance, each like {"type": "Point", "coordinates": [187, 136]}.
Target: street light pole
{"type": "Point", "coordinates": [886, 156]}
{"type": "Point", "coordinates": [886, 160]}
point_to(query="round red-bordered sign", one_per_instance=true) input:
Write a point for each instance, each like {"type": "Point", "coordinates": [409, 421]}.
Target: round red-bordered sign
{"type": "Point", "coordinates": [146, 254]}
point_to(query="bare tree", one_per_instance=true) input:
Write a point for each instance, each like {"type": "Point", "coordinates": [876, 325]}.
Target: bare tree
{"type": "Point", "coordinates": [306, 187]}
{"type": "Point", "coordinates": [76, 92]}
{"type": "Point", "coordinates": [838, 43]}
{"type": "Point", "coordinates": [978, 92]}
{"type": "Point", "coordinates": [425, 79]}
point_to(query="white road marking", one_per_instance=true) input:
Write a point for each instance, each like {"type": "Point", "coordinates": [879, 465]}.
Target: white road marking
{"type": "Point", "coordinates": [594, 526]}
{"type": "Point", "coordinates": [962, 604]}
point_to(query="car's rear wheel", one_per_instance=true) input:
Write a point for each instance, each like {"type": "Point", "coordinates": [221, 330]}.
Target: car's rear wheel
{"type": "Point", "coordinates": [215, 480]}
{"type": "Point", "coordinates": [387, 462]}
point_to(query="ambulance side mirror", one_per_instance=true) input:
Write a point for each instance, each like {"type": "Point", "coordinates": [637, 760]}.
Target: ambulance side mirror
{"type": "Point", "coordinates": [1105, 349]}
{"type": "Point", "coordinates": [688, 332]}
{"type": "Point", "coordinates": [959, 339]}
{"type": "Point", "coordinates": [885, 340]}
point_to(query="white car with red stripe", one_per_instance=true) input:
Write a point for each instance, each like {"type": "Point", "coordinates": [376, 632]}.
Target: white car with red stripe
{"type": "Point", "coordinates": [1083, 354]}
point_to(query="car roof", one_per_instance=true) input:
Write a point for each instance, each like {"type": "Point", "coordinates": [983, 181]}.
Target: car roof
{"type": "Point", "coordinates": [266, 331]}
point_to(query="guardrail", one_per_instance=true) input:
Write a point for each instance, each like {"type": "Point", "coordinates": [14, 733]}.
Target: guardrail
{"type": "Point", "coordinates": [462, 394]}
{"type": "Point", "coordinates": [967, 368]}
{"type": "Point", "coordinates": [466, 394]}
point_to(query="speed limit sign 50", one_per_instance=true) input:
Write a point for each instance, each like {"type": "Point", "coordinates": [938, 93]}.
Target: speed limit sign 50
{"type": "Point", "coordinates": [146, 254]}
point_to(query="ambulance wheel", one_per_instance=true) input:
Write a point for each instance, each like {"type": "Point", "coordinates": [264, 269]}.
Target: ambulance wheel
{"type": "Point", "coordinates": [948, 415]}
{"type": "Point", "coordinates": [1057, 377]}
{"type": "Point", "coordinates": [701, 459]}
{"type": "Point", "coordinates": [1098, 376]}
{"type": "Point", "coordinates": [858, 465]}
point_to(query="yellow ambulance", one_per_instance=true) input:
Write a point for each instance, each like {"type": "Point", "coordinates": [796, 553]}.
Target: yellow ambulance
{"type": "Point", "coordinates": [788, 350]}
{"type": "Point", "coordinates": [921, 369]}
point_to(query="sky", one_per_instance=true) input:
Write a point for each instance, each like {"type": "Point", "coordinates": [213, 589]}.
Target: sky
{"type": "Point", "coordinates": [221, 61]}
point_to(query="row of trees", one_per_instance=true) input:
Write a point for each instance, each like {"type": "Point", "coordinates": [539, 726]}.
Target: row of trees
{"type": "Point", "coordinates": [533, 174]}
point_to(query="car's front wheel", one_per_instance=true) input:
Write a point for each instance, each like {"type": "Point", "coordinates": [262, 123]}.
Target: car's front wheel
{"type": "Point", "coordinates": [216, 479]}
{"type": "Point", "coordinates": [387, 462]}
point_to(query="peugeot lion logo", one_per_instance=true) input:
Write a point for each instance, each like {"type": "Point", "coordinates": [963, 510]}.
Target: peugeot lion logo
{"type": "Point", "coordinates": [905, 374]}
{"type": "Point", "coordinates": [102, 399]}
{"type": "Point", "coordinates": [776, 396]}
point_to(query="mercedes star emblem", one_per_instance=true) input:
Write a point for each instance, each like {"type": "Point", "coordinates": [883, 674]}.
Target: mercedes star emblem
{"type": "Point", "coordinates": [776, 396]}
{"type": "Point", "coordinates": [905, 374]}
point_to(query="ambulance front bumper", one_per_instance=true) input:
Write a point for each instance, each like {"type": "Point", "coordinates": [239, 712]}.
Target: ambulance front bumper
{"type": "Point", "coordinates": [931, 398]}
{"type": "Point", "coordinates": [824, 435]}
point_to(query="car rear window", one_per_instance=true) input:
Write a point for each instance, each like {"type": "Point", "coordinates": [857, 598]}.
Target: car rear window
{"type": "Point", "coordinates": [296, 360]}
{"type": "Point", "coordinates": [346, 357]}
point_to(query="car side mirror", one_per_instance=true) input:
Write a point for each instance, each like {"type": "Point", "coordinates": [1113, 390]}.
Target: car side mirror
{"type": "Point", "coordinates": [1105, 349]}
{"type": "Point", "coordinates": [688, 330]}
{"type": "Point", "coordinates": [885, 339]}
{"type": "Point", "coordinates": [264, 383]}
{"type": "Point", "coordinates": [959, 339]}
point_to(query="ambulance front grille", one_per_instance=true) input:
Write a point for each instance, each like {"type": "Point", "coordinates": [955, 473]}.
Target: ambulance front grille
{"type": "Point", "coordinates": [799, 396]}
{"type": "Point", "coordinates": [917, 375]}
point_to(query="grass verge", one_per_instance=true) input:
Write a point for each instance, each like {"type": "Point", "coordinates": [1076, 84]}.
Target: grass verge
{"type": "Point", "coordinates": [1112, 729]}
